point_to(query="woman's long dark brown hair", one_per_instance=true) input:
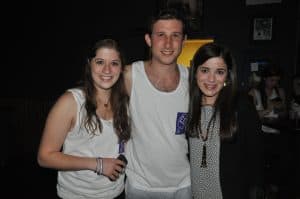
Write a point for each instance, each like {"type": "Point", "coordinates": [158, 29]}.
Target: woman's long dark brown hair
{"type": "Point", "coordinates": [225, 103]}
{"type": "Point", "coordinates": [118, 99]}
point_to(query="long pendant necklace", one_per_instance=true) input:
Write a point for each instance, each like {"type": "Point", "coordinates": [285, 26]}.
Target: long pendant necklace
{"type": "Point", "coordinates": [204, 154]}
{"type": "Point", "coordinates": [204, 129]}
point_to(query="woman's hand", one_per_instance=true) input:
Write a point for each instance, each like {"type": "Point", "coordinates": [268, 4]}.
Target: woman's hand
{"type": "Point", "coordinates": [112, 168]}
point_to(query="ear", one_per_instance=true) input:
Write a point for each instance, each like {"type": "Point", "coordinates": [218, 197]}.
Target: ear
{"type": "Point", "coordinates": [148, 39]}
{"type": "Point", "coordinates": [185, 37]}
{"type": "Point", "coordinates": [183, 40]}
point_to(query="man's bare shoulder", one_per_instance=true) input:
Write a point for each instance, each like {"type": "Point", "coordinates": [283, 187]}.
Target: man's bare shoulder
{"type": "Point", "coordinates": [127, 69]}
{"type": "Point", "coordinates": [127, 72]}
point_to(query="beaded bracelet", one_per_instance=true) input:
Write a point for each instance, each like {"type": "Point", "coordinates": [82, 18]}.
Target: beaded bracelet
{"type": "Point", "coordinates": [99, 166]}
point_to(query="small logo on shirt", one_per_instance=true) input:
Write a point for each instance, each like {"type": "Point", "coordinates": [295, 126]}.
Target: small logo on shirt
{"type": "Point", "coordinates": [180, 123]}
{"type": "Point", "coordinates": [121, 146]}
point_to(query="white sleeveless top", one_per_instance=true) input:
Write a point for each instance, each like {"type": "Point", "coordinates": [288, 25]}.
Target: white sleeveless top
{"type": "Point", "coordinates": [86, 183]}
{"type": "Point", "coordinates": [157, 152]}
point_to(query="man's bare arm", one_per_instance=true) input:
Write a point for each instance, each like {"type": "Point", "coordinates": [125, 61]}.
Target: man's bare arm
{"type": "Point", "coordinates": [128, 78]}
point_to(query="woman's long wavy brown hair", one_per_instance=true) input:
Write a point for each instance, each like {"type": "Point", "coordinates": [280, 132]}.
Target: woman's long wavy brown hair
{"type": "Point", "coordinates": [118, 99]}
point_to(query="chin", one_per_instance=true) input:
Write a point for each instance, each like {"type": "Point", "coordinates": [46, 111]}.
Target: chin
{"type": "Point", "coordinates": [105, 86]}
{"type": "Point", "coordinates": [210, 94]}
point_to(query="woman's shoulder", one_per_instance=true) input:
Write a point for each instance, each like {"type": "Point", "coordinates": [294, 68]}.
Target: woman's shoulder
{"type": "Point", "coordinates": [70, 98]}
{"type": "Point", "coordinates": [78, 94]}
{"type": "Point", "coordinates": [67, 98]}
{"type": "Point", "coordinates": [65, 105]}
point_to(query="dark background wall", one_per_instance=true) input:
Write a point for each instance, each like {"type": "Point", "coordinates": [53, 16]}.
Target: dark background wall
{"type": "Point", "coordinates": [52, 39]}
{"type": "Point", "coordinates": [47, 42]}
{"type": "Point", "coordinates": [232, 24]}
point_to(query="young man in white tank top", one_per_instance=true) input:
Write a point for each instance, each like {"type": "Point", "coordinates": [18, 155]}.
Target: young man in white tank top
{"type": "Point", "coordinates": [158, 165]}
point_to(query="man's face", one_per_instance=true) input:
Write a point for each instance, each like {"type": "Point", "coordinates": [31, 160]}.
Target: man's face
{"type": "Point", "coordinates": [166, 41]}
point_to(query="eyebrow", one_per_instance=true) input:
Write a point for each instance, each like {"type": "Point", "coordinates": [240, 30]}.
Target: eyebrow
{"type": "Point", "coordinates": [96, 58]}
{"type": "Point", "coordinates": [219, 67]}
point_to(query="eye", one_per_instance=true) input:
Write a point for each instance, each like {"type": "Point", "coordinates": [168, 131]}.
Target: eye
{"type": "Point", "coordinates": [159, 34]}
{"type": "Point", "coordinates": [203, 70]}
{"type": "Point", "coordinates": [177, 36]}
{"type": "Point", "coordinates": [221, 71]}
{"type": "Point", "coordinates": [115, 63]}
{"type": "Point", "coordinates": [99, 61]}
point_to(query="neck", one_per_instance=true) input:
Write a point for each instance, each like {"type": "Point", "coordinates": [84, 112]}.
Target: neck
{"type": "Point", "coordinates": [103, 99]}
{"type": "Point", "coordinates": [161, 69]}
{"type": "Point", "coordinates": [163, 78]}
{"type": "Point", "coordinates": [208, 101]}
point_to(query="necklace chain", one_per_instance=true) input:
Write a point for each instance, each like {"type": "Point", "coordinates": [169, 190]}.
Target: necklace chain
{"type": "Point", "coordinates": [105, 104]}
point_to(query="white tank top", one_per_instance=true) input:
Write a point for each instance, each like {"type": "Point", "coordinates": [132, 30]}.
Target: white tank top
{"type": "Point", "coordinates": [157, 152]}
{"type": "Point", "coordinates": [86, 183]}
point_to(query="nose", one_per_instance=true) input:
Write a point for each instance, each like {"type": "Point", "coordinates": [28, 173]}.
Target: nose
{"type": "Point", "coordinates": [211, 77]}
{"type": "Point", "coordinates": [168, 41]}
{"type": "Point", "coordinates": [106, 68]}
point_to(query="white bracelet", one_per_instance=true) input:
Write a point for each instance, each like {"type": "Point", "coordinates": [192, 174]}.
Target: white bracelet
{"type": "Point", "coordinates": [99, 166]}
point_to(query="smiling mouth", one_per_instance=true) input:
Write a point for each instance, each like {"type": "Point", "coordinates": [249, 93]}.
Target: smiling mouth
{"type": "Point", "coordinates": [210, 87]}
{"type": "Point", "coordinates": [106, 78]}
{"type": "Point", "coordinates": [167, 52]}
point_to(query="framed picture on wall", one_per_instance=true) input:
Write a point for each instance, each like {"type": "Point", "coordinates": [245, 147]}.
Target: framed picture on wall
{"type": "Point", "coordinates": [262, 28]}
